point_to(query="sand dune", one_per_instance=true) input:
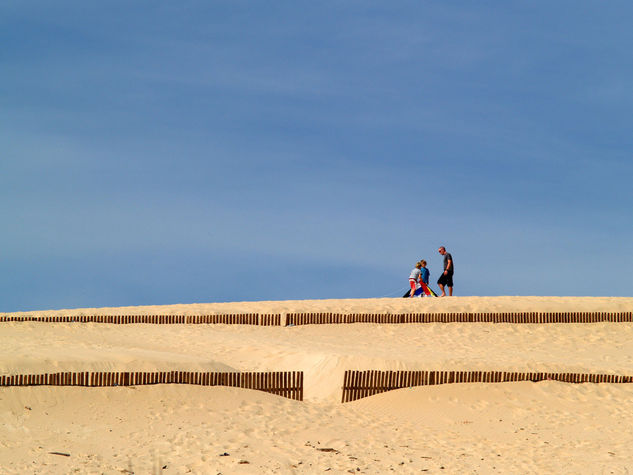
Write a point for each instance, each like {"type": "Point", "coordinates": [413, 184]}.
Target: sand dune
{"type": "Point", "coordinates": [459, 428]}
{"type": "Point", "coordinates": [323, 352]}
{"type": "Point", "coordinates": [385, 305]}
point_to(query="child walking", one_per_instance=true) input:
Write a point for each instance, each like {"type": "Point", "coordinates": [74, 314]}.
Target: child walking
{"type": "Point", "coordinates": [414, 278]}
{"type": "Point", "coordinates": [424, 278]}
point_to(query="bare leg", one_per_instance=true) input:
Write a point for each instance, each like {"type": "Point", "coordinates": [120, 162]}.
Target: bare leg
{"type": "Point", "coordinates": [442, 289]}
{"type": "Point", "coordinates": [450, 291]}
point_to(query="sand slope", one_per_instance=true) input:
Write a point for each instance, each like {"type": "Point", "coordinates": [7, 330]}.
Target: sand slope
{"type": "Point", "coordinates": [546, 427]}
{"type": "Point", "coordinates": [323, 352]}
{"type": "Point", "coordinates": [543, 427]}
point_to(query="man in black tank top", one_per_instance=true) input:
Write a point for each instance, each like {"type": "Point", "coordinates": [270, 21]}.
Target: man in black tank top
{"type": "Point", "coordinates": [446, 279]}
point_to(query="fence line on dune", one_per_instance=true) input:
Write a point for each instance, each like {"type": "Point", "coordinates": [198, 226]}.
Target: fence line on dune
{"type": "Point", "coordinates": [288, 384]}
{"type": "Point", "coordinates": [360, 384]}
{"type": "Point", "coordinates": [319, 318]}
{"type": "Point", "coordinates": [261, 319]}
{"type": "Point", "coordinates": [458, 317]}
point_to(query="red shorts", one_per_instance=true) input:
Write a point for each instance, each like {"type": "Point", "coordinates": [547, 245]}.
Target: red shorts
{"type": "Point", "coordinates": [413, 285]}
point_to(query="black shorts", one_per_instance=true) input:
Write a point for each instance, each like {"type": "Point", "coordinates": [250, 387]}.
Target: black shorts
{"type": "Point", "coordinates": [446, 279]}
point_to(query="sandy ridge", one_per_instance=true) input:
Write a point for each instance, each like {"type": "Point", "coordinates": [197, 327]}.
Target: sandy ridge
{"type": "Point", "coordinates": [382, 305]}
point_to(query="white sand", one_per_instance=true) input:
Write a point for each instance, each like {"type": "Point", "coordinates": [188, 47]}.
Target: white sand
{"type": "Point", "coordinates": [466, 428]}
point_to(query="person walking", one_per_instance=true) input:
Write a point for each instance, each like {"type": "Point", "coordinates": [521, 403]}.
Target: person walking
{"type": "Point", "coordinates": [424, 279]}
{"type": "Point", "coordinates": [414, 278]}
{"type": "Point", "coordinates": [446, 279]}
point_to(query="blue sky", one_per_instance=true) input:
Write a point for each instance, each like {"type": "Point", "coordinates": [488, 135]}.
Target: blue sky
{"type": "Point", "coordinates": [197, 151]}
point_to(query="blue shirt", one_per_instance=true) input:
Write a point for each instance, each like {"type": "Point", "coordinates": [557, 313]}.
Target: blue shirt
{"type": "Point", "coordinates": [425, 275]}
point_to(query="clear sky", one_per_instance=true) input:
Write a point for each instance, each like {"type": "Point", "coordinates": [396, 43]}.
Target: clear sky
{"type": "Point", "coordinates": [156, 152]}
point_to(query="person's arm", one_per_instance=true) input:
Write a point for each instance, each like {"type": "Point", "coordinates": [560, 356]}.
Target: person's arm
{"type": "Point", "coordinates": [449, 264]}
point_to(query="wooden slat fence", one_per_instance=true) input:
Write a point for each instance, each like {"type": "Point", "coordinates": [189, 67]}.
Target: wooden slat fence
{"type": "Point", "coordinates": [293, 319]}
{"type": "Point", "coordinates": [459, 317]}
{"type": "Point", "coordinates": [233, 318]}
{"type": "Point", "coordinates": [288, 384]}
{"type": "Point", "coordinates": [360, 384]}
